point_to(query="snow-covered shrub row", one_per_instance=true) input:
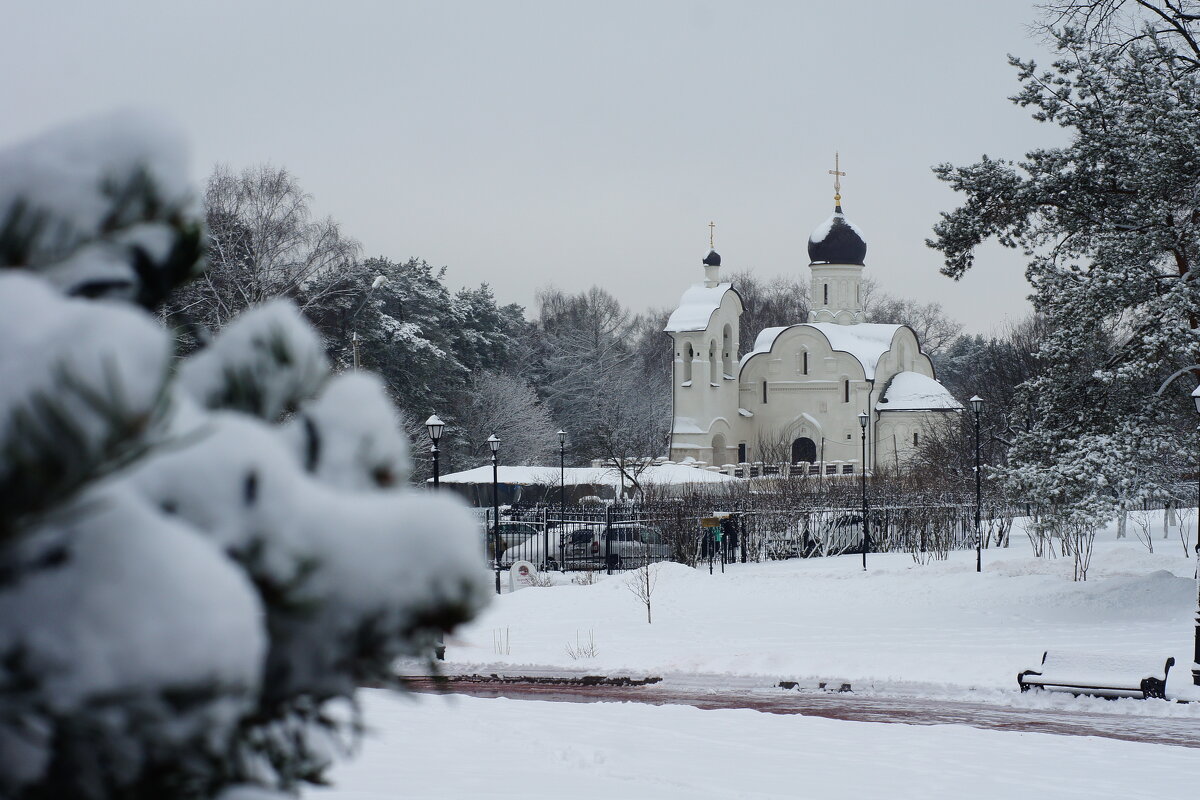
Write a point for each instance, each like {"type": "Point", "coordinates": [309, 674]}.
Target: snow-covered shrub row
{"type": "Point", "coordinates": [200, 560]}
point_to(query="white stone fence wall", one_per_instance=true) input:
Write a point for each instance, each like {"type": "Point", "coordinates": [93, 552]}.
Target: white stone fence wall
{"type": "Point", "coordinates": [755, 469]}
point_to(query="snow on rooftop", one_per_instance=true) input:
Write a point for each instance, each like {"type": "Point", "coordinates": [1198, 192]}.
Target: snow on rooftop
{"type": "Point", "coordinates": [661, 474]}
{"type": "Point", "coordinates": [866, 341]}
{"type": "Point", "coordinates": [912, 391]}
{"type": "Point", "coordinates": [696, 307]}
{"type": "Point", "coordinates": [686, 425]}
{"type": "Point", "coordinates": [822, 231]}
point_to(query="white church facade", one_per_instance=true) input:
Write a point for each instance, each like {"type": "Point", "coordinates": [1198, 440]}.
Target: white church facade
{"type": "Point", "coordinates": [796, 396]}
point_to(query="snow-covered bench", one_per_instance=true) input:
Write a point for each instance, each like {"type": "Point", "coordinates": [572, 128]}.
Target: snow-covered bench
{"type": "Point", "coordinates": [1106, 676]}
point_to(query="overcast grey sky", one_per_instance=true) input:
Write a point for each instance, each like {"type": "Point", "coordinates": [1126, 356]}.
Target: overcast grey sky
{"type": "Point", "coordinates": [571, 143]}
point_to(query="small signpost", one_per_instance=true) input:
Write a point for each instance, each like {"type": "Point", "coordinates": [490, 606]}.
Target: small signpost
{"type": "Point", "coordinates": [520, 575]}
{"type": "Point", "coordinates": [712, 526]}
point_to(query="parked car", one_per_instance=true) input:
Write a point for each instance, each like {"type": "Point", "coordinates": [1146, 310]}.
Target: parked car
{"type": "Point", "coordinates": [624, 546]}
{"type": "Point", "coordinates": [519, 541]}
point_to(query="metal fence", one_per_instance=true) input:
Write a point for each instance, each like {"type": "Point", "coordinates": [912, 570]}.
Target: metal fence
{"type": "Point", "coordinates": [622, 537]}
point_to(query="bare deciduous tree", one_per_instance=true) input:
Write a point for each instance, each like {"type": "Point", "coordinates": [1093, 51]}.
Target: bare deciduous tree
{"type": "Point", "coordinates": [508, 406]}
{"type": "Point", "coordinates": [642, 582]}
{"type": "Point", "coordinates": [263, 243]}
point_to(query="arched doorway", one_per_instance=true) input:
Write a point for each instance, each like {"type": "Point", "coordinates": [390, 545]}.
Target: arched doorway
{"type": "Point", "coordinates": [804, 449]}
{"type": "Point", "coordinates": [719, 457]}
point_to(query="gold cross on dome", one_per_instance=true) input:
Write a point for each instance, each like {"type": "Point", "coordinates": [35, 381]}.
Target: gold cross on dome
{"type": "Point", "coordinates": [837, 174]}
{"type": "Point", "coordinates": [711, 225]}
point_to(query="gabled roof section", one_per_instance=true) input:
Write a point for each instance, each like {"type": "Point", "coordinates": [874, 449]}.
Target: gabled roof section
{"type": "Point", "coordinates": [696, 307]}
{"type": "Point", "coordinates": [912, 391]}
{"type": "Point", "coordinates": [866, 341]}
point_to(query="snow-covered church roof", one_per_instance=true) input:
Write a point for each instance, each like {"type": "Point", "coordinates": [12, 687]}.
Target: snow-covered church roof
{"type": "Point", "coordinates": [696, 307]}
{"type": "Point", "coordinates": [912, 391]}
{"type": "Point", "coordinates": [866, 341]}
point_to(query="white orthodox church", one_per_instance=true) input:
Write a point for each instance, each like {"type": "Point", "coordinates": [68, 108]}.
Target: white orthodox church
{"type": "Point", "coordinates": [797, 395]}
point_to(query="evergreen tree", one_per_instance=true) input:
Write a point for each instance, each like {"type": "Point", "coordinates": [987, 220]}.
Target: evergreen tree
{"type": "Point", "coordinates": [201, 559]}
{"type": "Point", "coordinates": [1109, 223]}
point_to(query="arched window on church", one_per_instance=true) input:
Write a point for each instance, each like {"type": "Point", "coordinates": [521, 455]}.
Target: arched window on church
{"type": "Point", "coordinates": [764, 393]}
{"type": "Point", "coordinates": [727, 351]}
{"type": "Point", "coordinates": [804, 363]}
{"type": "Point", "coordinates": [846, 390]}
{"type": "Point", "coordinates": [713, 376]}
{"type": "Point", "coordinates": [915, 439]}
{"type": "Point", "coordinates": [688, 354]}
{"type": "Point", "coordinates": [827, 294]}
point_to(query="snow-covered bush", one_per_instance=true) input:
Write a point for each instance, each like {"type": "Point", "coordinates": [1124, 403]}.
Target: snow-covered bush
{"type": "Point", "coordinates": [200, 560]}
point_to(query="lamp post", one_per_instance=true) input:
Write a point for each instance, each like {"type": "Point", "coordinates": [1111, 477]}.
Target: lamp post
{"type": "Point", "coordinates": [1196, 654]}
{"type": "Point", "coordinates": [562, 475]}
{"type": "Point", "coordinates": [494, 443]}
{"type": "Point", "coordinates": [977, 406]}
{"type": "Point", "coordinates": [380, 280]}
{"type": "Point", "coordinates": [435, 427]}
{"type": "Point", "coordinates": [562, 489]}
{"type": "Point", "coordinates": [863, 419]}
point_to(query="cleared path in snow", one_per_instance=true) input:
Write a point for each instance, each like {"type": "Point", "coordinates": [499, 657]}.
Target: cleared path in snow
{"type": "Point", "coordinates": [1181, 731]}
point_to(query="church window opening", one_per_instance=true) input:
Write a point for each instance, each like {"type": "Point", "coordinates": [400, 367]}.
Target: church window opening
{"type": "Point", "coordinates": [741, 452]}
{"type": "Point", "coordinates": [804, 363]}
{"type": "Point", "coordinates": [915, 439]}
{"type": "Point", "coordinates": [827, 294]}
{"type": "Point", "coordinates": [764, 393]}
{"type": "Point", "coordinates": [712, 362]}
{"type": "Point", "coordinates": [688, 353]}
{"type": "Point", "coordinates": [727, 351]}
{"type": "Point", "coordinates": [846, 391]}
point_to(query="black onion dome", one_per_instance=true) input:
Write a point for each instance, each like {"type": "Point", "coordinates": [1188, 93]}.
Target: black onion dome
{"type": "Point", "coordinates": [713, 259]}
{"type": "Point", "coordinates": [837, 241]}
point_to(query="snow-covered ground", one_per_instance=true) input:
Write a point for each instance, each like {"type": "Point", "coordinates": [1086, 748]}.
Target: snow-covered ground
{"type": "Point", "coordinates": [898, 622]}
{"type": "Point", "coordinates": [939, 629]}
{"type": "Point", "coordinates": [464, 747]}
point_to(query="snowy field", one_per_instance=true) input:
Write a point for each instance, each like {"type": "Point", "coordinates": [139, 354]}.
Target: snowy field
{"type": "Point", "coordinates": [935, 630]}
{"type": "Point", "coordinates": [941, 625]}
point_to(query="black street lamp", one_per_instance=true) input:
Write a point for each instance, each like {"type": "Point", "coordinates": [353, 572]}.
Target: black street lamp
{"type": "Point", "coordinates": [380, 280]}
{"type": "Point", "coordinates": [435, 427]}
{"type": "Point", "coordinates": [977, 406]}
{"type": "Point", "coordinates": [1196, 654]}
{"type": "Point", "coordinates": [494, 443]}
{"type": "Point", "coordinates": [562, 486]}
{"type": "Point", "coordinates": [562, 473]}
{"type": "Point", "coordinates": [863, 419]}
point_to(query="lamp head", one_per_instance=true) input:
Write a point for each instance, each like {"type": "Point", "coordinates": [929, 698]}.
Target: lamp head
{"type": "Point", "coordinates": [494, 443]}
{"type": "Point", "coordinates": [976, 403]}
{"type": "Point", "coordinates": [562, 436]}
{"type": "Point", "coordinates": [434, 425]}
{"type": "Point", "coordinates": [1196, 397]}
{"type": "Point", "coordinates": [863, 419]}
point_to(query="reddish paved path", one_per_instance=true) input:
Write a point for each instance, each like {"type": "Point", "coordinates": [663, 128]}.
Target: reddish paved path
{"type": "Point", "coordinates": [1179, 731]}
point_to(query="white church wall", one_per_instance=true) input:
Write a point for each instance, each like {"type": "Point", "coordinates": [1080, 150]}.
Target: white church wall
{"type": "Point", "coordinates": [896, 445]}
{"type": "Point", "coordinates": [796, 401]}
{"type": "Point", "coordinates": [705, 405]}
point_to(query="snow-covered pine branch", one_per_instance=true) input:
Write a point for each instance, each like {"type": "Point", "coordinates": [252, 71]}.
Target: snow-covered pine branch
{"type": "Point", "coordinates": [190, 590]}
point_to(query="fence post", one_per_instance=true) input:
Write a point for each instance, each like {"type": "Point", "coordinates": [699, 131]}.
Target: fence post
{"type": "Point", "coordinates": [608, 539]}
{"type": "Point", "coordinates": [546, 540]}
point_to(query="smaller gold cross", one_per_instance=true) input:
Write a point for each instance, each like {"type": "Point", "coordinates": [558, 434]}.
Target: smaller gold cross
{"type": "Point", "coordinates": [711, 225]}
{"type": "Point", "coordinates": [837, 174]}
